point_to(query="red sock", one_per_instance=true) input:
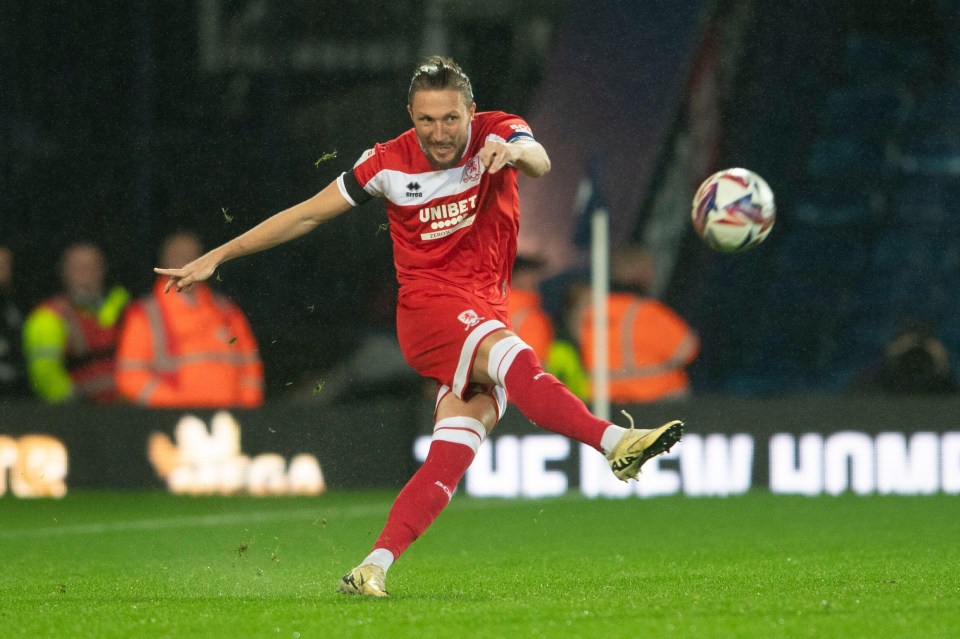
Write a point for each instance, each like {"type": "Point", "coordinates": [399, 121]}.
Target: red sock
{"type": "Point", "coordinates": [426, 494]}
{"type": "Point", "coordinates": [546, 402]}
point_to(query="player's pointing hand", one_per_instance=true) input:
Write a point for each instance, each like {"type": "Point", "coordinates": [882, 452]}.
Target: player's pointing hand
{"type": "Point", "coordinates": [184, 278]}
{"type": "Point", "coordinates": [496, 154]}
{"type": "Point", "coordinates": [527, 156]}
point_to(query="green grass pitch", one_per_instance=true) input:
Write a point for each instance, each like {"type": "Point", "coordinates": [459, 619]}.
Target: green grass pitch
{"type": "Point", "coordinates": [759, 565]}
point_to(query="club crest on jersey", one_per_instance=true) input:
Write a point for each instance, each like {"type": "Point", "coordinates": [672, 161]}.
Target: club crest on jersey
{"type": "Point", "coordinates": [470, 318]}
{"type": "Point", "coordinates": [473, 170]}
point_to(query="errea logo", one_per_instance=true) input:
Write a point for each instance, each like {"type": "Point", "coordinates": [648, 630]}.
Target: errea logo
{"type": "Point", "coordinates": [413, 189]}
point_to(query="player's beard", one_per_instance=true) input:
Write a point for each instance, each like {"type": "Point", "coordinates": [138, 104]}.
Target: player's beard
{"type": "Point", "coordinates": [459, 146]}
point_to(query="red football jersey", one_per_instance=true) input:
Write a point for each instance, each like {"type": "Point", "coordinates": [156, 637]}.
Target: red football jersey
{"type": "Point", "coordinates": [453, 226]}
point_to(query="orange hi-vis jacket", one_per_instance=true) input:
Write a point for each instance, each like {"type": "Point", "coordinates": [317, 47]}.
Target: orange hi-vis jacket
{"type": "Point", "coordinates": [650, 347]}
{"type": "Point", "coordinates": [183, 351]}
{"type": "Point", "coordinates": [529, 322]}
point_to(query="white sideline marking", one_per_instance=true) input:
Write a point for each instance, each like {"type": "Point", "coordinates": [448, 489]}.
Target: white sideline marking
{"type": "Point", "coordinates": [228, 519]}
{"type": "Point", "coordinates": [195, 521]}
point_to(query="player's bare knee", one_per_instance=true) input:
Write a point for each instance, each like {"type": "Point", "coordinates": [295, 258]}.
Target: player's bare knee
{"type": "Point", "coordinates": [481, 407]}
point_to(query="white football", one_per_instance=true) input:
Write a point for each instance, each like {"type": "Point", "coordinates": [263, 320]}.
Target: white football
{"type": "Point", "coordinates": [733, 210]}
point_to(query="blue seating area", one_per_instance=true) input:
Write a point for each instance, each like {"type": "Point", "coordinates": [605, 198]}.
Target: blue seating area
{"type": "Point", "coordinates": [939, 102]}
{"type": "Point", "coordinates": [931, 150]}
{"type": "Point", "coordinates": [850, 155]}
{"type": "Point", "coordinates": [868, 230]}
{"type": "Point", "coordinates": [870, 58]}
{"type": "Point", "coordinates": [830, 204]}
{"type": "Point", "coordinates": [864, 111]}
{"type": "Point", "coordinates": [889, 151]}
{"type": "Point", "coordinates": [928, 205]}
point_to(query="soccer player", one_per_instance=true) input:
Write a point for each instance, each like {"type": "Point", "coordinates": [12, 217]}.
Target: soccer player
{"type": "Point", "coordinates": [450, 184]}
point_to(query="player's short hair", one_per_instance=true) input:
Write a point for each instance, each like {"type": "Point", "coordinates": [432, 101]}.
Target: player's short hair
{"type": "Point", "coordinates": [440, 73]}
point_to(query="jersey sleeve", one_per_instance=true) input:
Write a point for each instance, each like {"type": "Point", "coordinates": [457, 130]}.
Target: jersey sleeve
{"type": "Point", "coordinates": [512, 128]}
{"type": "Point", "coordinates": [362, 183]}
{"type": "Point", "coordinates": [351, 190]}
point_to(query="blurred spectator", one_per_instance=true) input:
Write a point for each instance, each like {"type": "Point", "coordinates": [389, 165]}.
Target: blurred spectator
{"type": "Point", "coordinates": [650, 346]}
{"type": "Point", "coordinates": [70, 339]}
{"type": "Point", "coordinates": [192, 350]}
{"type": "Point", "coordinates": [527, 317]}
{"type": "Point", "coordinates": [13, 374]}
{"type": "Point", "coordinates": [564, 360]}
{"type": "Point", "coordinates": [914, 362]}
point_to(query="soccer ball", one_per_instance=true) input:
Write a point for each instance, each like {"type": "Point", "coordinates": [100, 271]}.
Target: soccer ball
{"type": "Point", "coordinates": [733, 210]}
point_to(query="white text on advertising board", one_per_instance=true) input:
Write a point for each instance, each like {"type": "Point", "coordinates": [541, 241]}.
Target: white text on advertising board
{"type": "Point", "coordinates": [720, 465]}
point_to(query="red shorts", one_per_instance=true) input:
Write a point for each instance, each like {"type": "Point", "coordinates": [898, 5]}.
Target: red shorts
{"type": "Point", "coordinates": [440, 330]}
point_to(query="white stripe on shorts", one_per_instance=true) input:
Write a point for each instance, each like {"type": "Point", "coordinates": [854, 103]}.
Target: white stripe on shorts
{"type": "Point", "coordinates": [461, 378]}
{"type": "Point", "coordinates": [500, 396]}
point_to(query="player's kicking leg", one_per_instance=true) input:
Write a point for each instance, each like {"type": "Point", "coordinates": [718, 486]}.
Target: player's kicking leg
{"type": "Point", "coordinates": [506, 360]}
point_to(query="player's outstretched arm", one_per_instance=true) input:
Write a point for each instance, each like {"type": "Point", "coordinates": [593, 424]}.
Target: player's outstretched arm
{"type": "Point", "coordinates": [282, 227]}
{"type": "Point", "coordinates": [528, 156]}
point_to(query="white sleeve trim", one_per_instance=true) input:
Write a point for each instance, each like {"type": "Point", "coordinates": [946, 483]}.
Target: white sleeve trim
{"type": "Point", "coordinates": [343, 190]}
